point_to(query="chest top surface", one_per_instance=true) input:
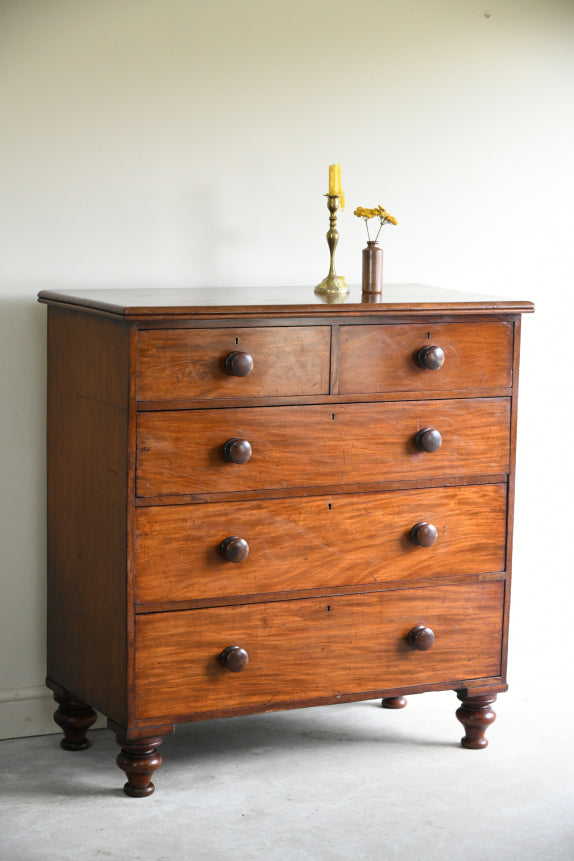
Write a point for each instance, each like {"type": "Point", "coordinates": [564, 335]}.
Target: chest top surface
{"type": "Point", "coordinates": [249, 302]}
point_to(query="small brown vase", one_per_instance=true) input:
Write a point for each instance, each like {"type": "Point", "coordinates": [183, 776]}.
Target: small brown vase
{"type": "Point", "coordinates": [372, 268]}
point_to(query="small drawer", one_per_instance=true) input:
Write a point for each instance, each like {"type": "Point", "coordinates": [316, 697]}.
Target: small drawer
{"type": "Point", "coordinates": [306, 650]}
{"type": "Point", "coordinates": [397, 358]}
{"type": "Point", "coordinates": [188, 451]}
{"type": "Point", "coordinates": [190, 552]}
{"type": "Point", "coordinates": [180, 364]}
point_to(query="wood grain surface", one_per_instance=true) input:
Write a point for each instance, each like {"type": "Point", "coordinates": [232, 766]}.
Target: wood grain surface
{"type": "Point", "coordinates": [277, 301]}
{"type": "Point", "coordinates": [181, 452]}
{"type": "Point", "coordinates": [190, 363]}
{"type": "Point", "coordinates": [316, 542]}
{"type": "Point", "coordinates": [312, 648]}
{"type": "Point", "coordinates": [384, 358]}
{"type": "Point", "coordinates": [88, 379]}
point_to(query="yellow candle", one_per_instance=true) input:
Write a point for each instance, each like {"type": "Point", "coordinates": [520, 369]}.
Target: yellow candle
{"type": "Point", "coordinates": [334, 178]}
{"type": "Point", "coordinates": [335, 182]}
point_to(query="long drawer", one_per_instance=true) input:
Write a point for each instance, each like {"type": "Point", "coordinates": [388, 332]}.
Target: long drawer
{"type": "Point", "coordinates": [182, 452]}
{"type": "Point", "coordinates": [315, 542]}
{"type": "Point", "coordinates": [177, 364]}
{"type": "Point", "coordinates": [387, 358]}
{"type": "Point", "coordinates": [316, 648]}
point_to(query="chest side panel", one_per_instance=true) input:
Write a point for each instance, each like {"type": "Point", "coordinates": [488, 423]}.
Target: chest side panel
{"type": "Point", "coordinates": [88, 418]}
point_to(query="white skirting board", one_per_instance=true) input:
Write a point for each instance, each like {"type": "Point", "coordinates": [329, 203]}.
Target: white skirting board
{"type": "Point", "coordinates": [29, 711]}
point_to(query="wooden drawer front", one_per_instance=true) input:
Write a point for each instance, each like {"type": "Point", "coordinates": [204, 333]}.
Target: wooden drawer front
{"type": "Point", "coordinates": [182, 451]}
{"type": "Point", "coordinates": [176, 364]}
{"type": "Point", "coordinates": [315, 542]}
{"type": "Point", "coordinates": [320, 647]}
{"type": "Point", "coordinates": [385, 358]}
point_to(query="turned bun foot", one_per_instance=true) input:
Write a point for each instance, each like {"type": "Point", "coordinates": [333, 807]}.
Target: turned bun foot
{"type": "Point", "coordinates": [75, 718]}
{"type": "Point", "coordinates": [139, 759]}
{"type": "Point", "coordinates": [476, 715]}
{"type": "Point", "coordinates": [394, 702]}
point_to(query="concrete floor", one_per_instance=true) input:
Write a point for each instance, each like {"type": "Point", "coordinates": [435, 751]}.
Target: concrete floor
{"type": "Point", "coordinates": [340, 782]}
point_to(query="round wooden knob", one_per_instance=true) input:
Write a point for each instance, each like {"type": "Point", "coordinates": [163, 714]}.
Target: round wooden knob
{"type": "Point", "coordinates": [424, 534]}
{"type": "Point", "coordinates": [234, 549]}
{"type": "Point", "coordinates": [421, 638]}
{"type": "Point", "coordinates": [428, 439]}
{"type": "Point", "coordinates": [237, 450]}
{"type": "Point", "coordinates": [431, 358]}
{"type": "Point", "coordinates": [234, 658]}
{"type": "Point", "coordinates": [239, 364]}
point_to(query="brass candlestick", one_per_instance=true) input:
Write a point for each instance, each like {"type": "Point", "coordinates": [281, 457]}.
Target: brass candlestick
{"type": "Point", "coordinates": [332, 283]}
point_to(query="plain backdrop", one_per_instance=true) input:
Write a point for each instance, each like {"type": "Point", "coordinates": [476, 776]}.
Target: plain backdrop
{"type": "Point", "coordinates": [182, 142]}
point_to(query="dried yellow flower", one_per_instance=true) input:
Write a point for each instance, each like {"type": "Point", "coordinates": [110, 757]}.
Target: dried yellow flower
{"type": "Point", "coordinates": [379, 212]}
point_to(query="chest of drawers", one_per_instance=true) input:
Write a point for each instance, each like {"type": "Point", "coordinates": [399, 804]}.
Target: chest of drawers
{"type": "Point", "coordinates": [258, 501]}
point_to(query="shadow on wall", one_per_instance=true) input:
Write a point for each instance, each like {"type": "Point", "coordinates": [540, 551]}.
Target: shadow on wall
{"type": "Point", "coordinates": [22, 501]}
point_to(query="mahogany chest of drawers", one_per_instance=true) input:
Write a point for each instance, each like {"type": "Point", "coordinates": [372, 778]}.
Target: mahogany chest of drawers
{"type": "Point", "coordinates": [260, 501]}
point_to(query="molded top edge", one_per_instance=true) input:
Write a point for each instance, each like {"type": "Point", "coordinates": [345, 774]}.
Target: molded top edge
{"type": "Point", "coordinates": [216, 302]}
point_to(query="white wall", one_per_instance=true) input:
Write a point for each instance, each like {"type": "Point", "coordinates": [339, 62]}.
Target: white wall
{"type": "Point", "coordinates": [178, 142]}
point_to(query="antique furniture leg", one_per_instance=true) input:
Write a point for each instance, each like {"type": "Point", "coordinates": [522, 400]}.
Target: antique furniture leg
{"type": "Point", "coordinates": [75, 718]}
{"type": "Point", "coordinates": [476, 715]}
{"type": "Point", "coordinates": [139, 759]}
{"type": "Point", "coordinates": [394, 702]}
